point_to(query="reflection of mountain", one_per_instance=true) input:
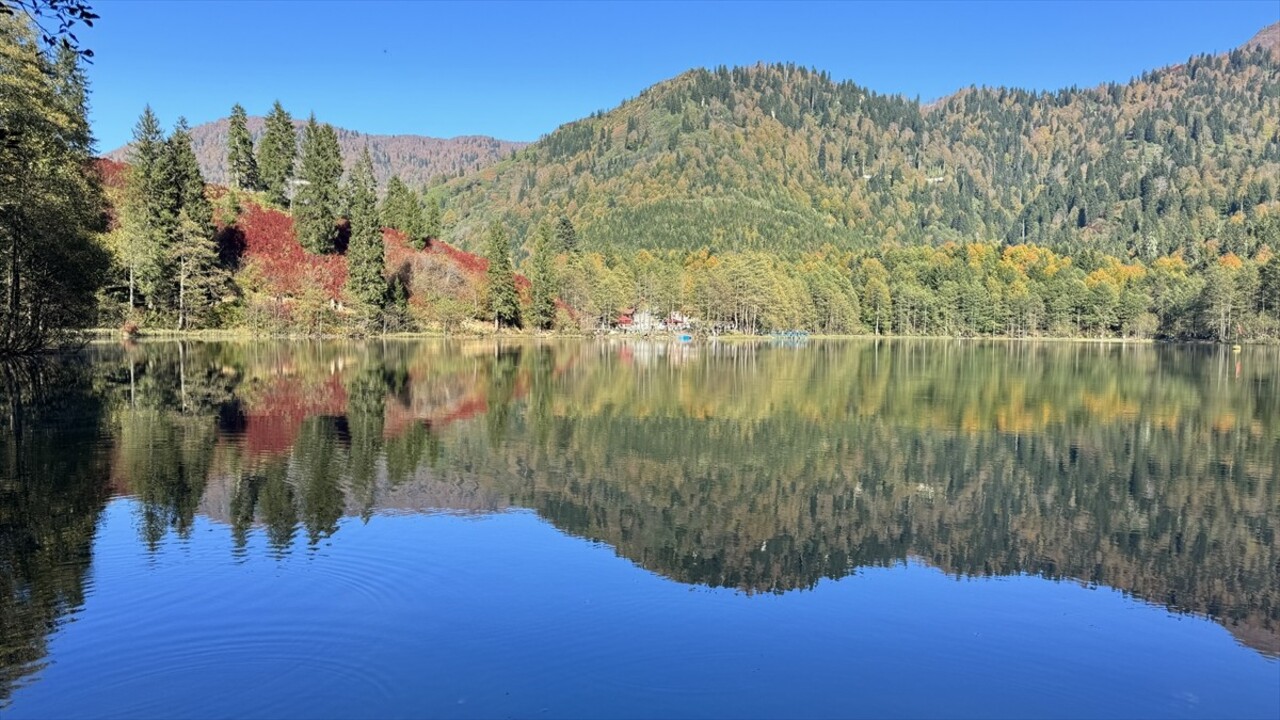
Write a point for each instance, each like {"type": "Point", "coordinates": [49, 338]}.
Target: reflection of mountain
{"type": "Point", "coordinates": [1148, 469]}
{"type": "Point", "coordinates": [1138, 470]}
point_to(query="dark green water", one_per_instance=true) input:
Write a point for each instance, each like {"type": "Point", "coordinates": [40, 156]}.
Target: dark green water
{"type": "Point", "coordinates": [901, 529]}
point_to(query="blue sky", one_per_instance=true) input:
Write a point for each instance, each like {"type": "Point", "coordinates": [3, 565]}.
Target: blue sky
{"type": "Point", "coordinates": [519, 70]}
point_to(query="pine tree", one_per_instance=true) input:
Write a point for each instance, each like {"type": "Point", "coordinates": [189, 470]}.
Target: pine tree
{"type": "Point", "coordinates": [566, 234]}
{"type": "Point", "coordinates": [144, 151]}
{"type": "Point", "coordinates": [503, 300]}
{"type": "Point", "coordinates": [366, 284]}
{"type": "Point", "coordinates": [276, 153]}
{"type": "Point", "coordinates": [193, 253]}
{"type": "Point", "coordinates": [149, 212]}
{"type": "Point", "coordinates": [402, 210]}
{"type": "Point", "coordinates": [542, 275]}
{"type": "Point", "coordinates": [145, 158]}
{"type": "Point", "coordinates": [187, 181]}
{"type": "Point", "coordinates": [242, 166]}
{"type": "Point", "coordinates": [431, 224]}
{"type": "Point", "coordinates": [316, 204]}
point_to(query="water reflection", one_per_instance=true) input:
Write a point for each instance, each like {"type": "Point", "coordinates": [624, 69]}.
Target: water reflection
{"type": "Point", "coordinates": [53, 488]}
{"type": "Point", "coordinates": [766, 469]}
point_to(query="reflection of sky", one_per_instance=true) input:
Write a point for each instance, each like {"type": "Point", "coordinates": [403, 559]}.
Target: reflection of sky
{"type": "Point", "coordinates": [504, 615]}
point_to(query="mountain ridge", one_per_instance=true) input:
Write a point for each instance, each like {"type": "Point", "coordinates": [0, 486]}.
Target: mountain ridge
{"type": "Point", "coordinates": [419, 160]}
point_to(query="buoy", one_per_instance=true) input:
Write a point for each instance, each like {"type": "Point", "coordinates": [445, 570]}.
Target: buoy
{"type": "Point", "coordinates": [1235, 348]}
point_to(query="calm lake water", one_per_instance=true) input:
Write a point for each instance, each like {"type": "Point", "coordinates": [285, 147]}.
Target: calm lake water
{"type": "Point", "coordinates": [901, 529]}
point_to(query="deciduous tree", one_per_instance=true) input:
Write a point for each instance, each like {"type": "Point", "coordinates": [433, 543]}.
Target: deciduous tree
{"type": "Point", "coordinates": [50, 196]}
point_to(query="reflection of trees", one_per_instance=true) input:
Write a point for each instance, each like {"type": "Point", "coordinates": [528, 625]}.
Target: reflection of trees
{"type": "Point", "coordinates": [53, 487]}
{"type": "Point", "coordinates": [366, 410]}
{"type": "Point", "coordinates": [165, 427]}
{"type": "Point", "coordinates": [1153, 471]}
{"type": "Point", "coordinates": [315, 456]}
{"type": "Point", "coordinates": [1148, 469]}
{"type": "Point", "coordinates": [501, 390]}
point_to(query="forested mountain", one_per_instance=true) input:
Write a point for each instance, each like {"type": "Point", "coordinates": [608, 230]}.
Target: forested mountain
{"type": "Point", "coordinates": [415, 159]}
{"type": "Point", "coordinates": [784, 158]}
{"type": "Point", "coordinates": [753, 200]}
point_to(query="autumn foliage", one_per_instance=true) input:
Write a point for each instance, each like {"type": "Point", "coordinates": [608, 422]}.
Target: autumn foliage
{"type": "Point", "coordinates": [274, 419]}
{"type": "Point", "coordinates": [280, 263]}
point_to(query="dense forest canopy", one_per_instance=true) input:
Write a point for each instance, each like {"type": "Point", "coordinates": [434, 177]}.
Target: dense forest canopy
{"type": "Point", "coordinates": [783, 158]}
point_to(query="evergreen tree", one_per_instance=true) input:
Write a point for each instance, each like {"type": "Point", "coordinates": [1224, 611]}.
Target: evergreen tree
{"type": "Point", "coordinates": [566, 234]}
{"type": "Point", "coordinates": [503, 300]}
{"type": "Point", "coordinates": [542, 274]}
{"type": "Point", "coordinates": [276, 153]}
{"type": "Point", "coordinates": [185, 176]}
{"type": "Point", "coordinates": [146, 214]}
{"type": "Point", "coordinates": [431, 224]}
{"type": "Point", "coordinates": [193, 253]}
{"type": "Point", "coordinates": [316, 204]}
{"type": "Point", "coordinates": [242, 166]}
{"type": "Point", "coordinates": [366, 284]}
{"type": "Point", "coordinates": [149, 212]}
{"type": "Point", "coordinates": [402, 210]}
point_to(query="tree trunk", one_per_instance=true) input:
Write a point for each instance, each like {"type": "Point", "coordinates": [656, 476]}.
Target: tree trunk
{"type": "Point", "coordinates": [182, 295]}
{"type": "Point", "coordinates": [15, 282]}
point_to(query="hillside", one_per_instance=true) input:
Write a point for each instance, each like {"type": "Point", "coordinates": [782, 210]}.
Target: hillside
{"type": "Point", "coordinates": [277, 285]}
{"type": "Point", "coordinates": [415, 158]}
{"type": "Point", "coordinates": [780, 157]}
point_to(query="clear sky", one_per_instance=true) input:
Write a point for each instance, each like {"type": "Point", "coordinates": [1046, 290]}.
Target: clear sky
{"type": "Point", "coordinates": [519, 70]}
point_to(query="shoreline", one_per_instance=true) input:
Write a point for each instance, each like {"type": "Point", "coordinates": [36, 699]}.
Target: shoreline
{"type": "Point", "coordinates": [101, 335]}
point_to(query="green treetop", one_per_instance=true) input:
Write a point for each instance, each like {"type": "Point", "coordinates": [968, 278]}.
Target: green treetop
{"type": "Point", "coordinates": [193, 253]}
{"type": "Point", "coordinates": [402, 210]}
{"type": "Point", "coordinates": [148, 178]}
{"type": "Point", "coordinates": [542, 275]}
{"type": "Point", "coordinates": [432, 225]}
{"type": "Point", "coordinates": [366, 283]}
{"type": "Point", "coordinates": [504, 301]}
{"type": "Point", "coordinates": [242, 167]}
{"type": "Point", "coordinates": [149, 212]}
{"type": "Point", "coordinates": [276, 152]}
{"type": "Point", "coordinates": [316, 202]}
{"type": "Point", "coordinates": [566, 234]}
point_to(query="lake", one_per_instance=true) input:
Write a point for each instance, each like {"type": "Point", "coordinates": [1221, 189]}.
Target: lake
{"type": "Point", "coordinates": [624, 529]}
